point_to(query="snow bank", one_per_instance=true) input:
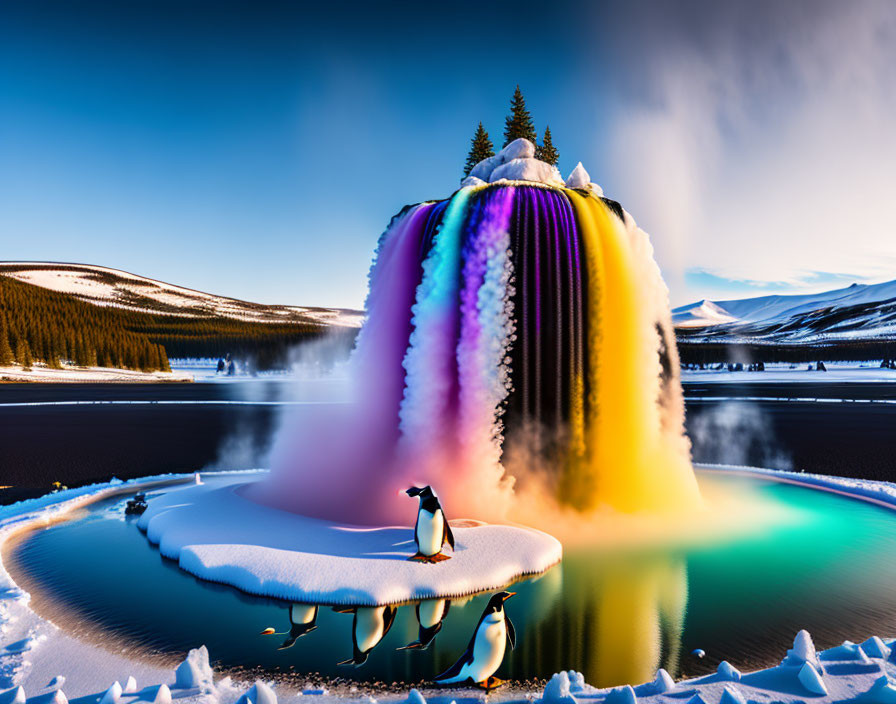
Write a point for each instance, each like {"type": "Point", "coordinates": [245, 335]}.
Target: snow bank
{"type": "Point", "coordinates": [215, 533]}
{"type": "Point", "coordinates": [515, 162]}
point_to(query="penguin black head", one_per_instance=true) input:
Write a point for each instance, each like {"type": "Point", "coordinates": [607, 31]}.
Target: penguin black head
{"type": "Point", "coordinates": [496, 603]}
{"type": "Point", "coordinates": [425, 492]}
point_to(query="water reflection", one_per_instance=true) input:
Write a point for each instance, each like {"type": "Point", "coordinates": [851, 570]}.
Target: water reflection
{"type": "Point", "coordinates": [302, 620]}
{"type": "Point", "coordinates": [369, 627]}
{"type": "Point", "coordinates": [430, 614]}
{"type": "Point", "coordinates": [621, 618]}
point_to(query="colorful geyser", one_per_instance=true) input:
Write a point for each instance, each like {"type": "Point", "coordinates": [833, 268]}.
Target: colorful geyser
{"type": "Point", "coordinates": [514, 331]}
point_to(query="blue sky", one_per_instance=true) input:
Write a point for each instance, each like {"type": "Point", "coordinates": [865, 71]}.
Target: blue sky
{"type": "Point", "coordinates": [258, 149]}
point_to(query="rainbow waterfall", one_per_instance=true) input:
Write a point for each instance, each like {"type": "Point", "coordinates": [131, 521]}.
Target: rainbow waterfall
{"type": "Point", "coordinates": [515, 333]}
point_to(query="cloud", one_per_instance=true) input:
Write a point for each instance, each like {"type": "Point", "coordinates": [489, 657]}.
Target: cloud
{"type": "Point", "coordinates": [757, 141]}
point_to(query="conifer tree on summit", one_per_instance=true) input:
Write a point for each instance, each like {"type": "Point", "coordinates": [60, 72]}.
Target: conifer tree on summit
{"type": "Point", "coordinates": [519, 122]}
{"type": "Point", "coordinates": [481, 147]}
{"type": "Point", "coordinates": [546, 151]}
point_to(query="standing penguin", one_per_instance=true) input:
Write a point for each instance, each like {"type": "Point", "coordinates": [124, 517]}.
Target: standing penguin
{"type": "Point", "coordinates": [369, 627]}
{"type": "Point", "coordinates": [485, 652]}
{"type": "Point", "coordinates": [302, 619]}
{"type": "Point", "coordinates": [431, 530]}
{"type": "Point", "coordinates": [430, 614]}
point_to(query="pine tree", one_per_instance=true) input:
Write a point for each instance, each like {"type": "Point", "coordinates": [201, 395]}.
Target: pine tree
{"type": "Point", "coordinates": [519, 122]}
{"type": "Point", "coordinates": [481, 147]}
{"type": "Point", "coordinates": [23, 354]}
{"type": "Point", "coordinates": [6, 356]}
{"type": "Point", "coordinates": [546, 152]}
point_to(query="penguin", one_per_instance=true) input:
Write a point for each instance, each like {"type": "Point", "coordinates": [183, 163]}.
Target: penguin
{"type": "Point", "coordinates": [430, 614]}
{"type": "Point", "coordinates": [369, 627]}
{"type": "Point", "coordinates": [485, 652]}
{"type": "Point", "coordinates": [302, 619]}
{"type": "Point", "coordinates": [431, 530]}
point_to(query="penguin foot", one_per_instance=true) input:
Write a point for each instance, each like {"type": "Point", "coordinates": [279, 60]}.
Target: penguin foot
{"type": "Point", "coordinates": [430, 559]}
{"type": "Point", "coordinates": [416, 645]}
{"type": "Point", "coordinates": [491, 683]}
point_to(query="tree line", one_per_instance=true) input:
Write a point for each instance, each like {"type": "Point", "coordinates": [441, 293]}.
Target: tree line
{"type": "Point", "coordinates": [37, 324]}
{"type": "Point", "coordinates": [517, 124]}
{"type": "Point", "coordinates": [744, 353]}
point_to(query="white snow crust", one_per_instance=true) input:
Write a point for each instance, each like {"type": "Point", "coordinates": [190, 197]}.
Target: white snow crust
{"type": "Point", "coordinates": [216, 533]}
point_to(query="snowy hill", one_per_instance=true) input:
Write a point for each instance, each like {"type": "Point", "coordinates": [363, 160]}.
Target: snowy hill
{"type": "Point", "coordinates": [858, 312]}
{"type": "Point", "coordinates": [110, 287]}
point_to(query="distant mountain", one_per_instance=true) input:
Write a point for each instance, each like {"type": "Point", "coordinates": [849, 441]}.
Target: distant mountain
{"type": "Point", "coordinates": [111, 287]}
{"type": "Point", "coordinates": [857, 313]}
{"type": "Point", "coordinates": [91, 316]}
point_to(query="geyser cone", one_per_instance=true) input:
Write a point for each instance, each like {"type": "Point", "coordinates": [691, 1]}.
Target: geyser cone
{"type": "Point", "coordinates": [514, 330]}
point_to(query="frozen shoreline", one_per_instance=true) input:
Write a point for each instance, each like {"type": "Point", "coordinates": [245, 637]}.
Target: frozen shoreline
{"type": "Point", "coordinates": [41, 658]}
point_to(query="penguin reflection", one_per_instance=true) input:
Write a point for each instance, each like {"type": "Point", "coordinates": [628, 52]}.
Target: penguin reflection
{"type": "Point", "coordinates": [369, 627]}
{"type": "Point", "coordinates": [302, 619]}
{"type": "Point", "coordinates": [430, 614]}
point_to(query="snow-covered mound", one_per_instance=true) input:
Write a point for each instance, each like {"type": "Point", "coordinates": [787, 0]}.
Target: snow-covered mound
{"type": "Point", "coordinates": [214, 532]}
{"type": "Point", "coordinates": [860, 311]}
{"type": "Point", "coordinates": [111, 287]}
{"type": "Point", "coordinates": [517, 162]}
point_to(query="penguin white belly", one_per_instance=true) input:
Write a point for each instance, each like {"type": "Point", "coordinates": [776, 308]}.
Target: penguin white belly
{"type": "Point", "coordinates": [301, 614]}
{"type": "Point", "coordinates": [430, 531]}
{"type": "Point", "coordinates": [431, 612]}
{"type": "Point", "coordinates": [488, 651]}
{"type": "Point", "coordinates": [369, 627]}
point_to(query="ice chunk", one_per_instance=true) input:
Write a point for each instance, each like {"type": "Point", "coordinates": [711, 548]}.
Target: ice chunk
{"type": "Point", "coordinates": [59, 697]}
{"type": "Point", "coordinates": [527, 170]}
{"type": "Point", "coordinates": [732, 695]}
{"type": "Point", "coordinates": [621, 695]}
{"type": "Point", "coordinates": [874, 647]}
{"type": "Point", "coordinates": [556, 691]}
{"type": "Point", "coordinates": [414, 697]}
{"type": "Point", "coordinates": [163, 695]}
{"type": "Point", "coordinates": [195, 671]}
{"type": "Point", "coordinates": [111, 695]}
{"type": "Point", "coordinates": [576, 681]}
{"type": "Point", "coordinates": [727, 671]}
{"type": "Point", "coordinates": [663, 682]}
{"type": "Point", "coordinates": [698, 653]}
{"type": "Point", "coordinates": [881, 692]}
{"type": "Point", "coordinates": [259, 693]}
{"type": "Point", "coordinates": [803, 650]}
{"type": "Point", "coordinates": [472, 181]}
{"type": "Point", "coordinates": [696, 699]}
{"type": "Point", "coordinates": [16, 695]}
{"type": "Point", "coordinates": [130, 686]}
{"type": "Point", "coordinates": [197, 479]}
{"type": "Point", "coordinates": [811, 680]}
{"type": "Point", "coordinates": [595, 189]}
{"type": "Point", "coordinates": [579, 178]}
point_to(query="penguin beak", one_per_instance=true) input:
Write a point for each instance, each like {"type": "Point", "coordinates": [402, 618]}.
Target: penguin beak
{"type": "Point", "coordinates": [413, 491]}
{"type": "Point", "coordinates": [507, 595]}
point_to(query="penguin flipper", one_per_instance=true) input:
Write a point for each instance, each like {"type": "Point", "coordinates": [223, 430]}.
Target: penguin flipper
{"type": "Point", "coordinates": [388, 619]}
{"type": "Point", "coordinates": [448, 536]}
{"type": "Point", "coordinates": [511, 632]}
{"type": "Point", "coordinates": [455, 669]}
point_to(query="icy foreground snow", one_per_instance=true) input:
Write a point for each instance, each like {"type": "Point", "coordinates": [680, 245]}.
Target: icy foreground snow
{"type": "Point", "coordinates": [41, 664]}
{"type": "Point", "coordinates": [214, 532]}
